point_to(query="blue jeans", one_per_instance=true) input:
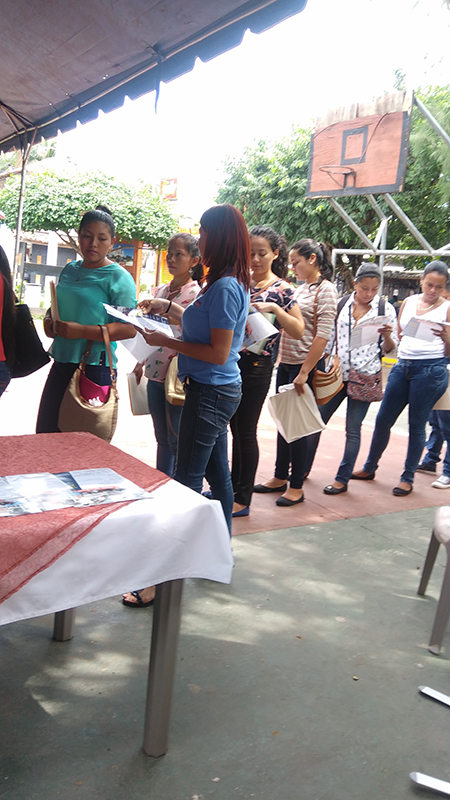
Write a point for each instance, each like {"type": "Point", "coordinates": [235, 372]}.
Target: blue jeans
{"type": "Point", "coordinates": [5, 376]}
{"type": "Point", "coordinates": [356, 412]}
{"type": "Point", "coordinates": [440, 433]}
{"type": "Point", "coordinates": [419, 383]}
{"type": "Point", "coordinates": [202, 440]}
{"type": "Point", "coordinates": [299, 454]}
{"type": "Point", "coordinates": [166, 421]}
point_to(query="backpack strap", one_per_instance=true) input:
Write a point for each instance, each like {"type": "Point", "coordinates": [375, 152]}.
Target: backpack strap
{"type": "Point", "coordinates": [342, 303]}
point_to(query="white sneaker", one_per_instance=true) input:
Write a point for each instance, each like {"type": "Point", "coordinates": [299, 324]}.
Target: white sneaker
{"type": "Point", "coordinates": [442, 483]}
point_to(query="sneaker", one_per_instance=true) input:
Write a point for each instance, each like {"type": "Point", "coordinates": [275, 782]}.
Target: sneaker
{"type": "Point", "coordinates": [442, 483]}
{"type": "Point", "coordinates": [426, 467]}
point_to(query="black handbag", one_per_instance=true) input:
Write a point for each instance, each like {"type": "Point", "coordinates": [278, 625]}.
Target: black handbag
{"type": "Point", "coordinates": [29, 353]}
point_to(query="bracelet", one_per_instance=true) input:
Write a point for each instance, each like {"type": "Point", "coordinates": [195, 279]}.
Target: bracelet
{"type": "Point", "coordinates": [169, 307]}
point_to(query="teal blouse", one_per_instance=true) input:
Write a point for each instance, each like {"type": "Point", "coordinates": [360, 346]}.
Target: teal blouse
{"type": "Point", "coordinates": [81, 293]}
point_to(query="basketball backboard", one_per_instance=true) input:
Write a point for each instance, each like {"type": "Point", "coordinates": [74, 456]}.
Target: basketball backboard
{"type": "Point", "coordinates": [361, 149]}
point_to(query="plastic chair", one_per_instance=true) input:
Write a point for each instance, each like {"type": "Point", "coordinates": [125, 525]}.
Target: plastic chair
{"type": "Point", "coordinates": [440, 535]}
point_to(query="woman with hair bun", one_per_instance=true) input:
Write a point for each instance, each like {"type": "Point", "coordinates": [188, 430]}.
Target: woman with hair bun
{"type": "Point", "coordinates": [271, 294]}
{"type": "Point", "coordinates": [419, 378]}
{"type": "Point", "coordinates": [298, 360]}
{"type": "Point", "coordinates": [82, 289]}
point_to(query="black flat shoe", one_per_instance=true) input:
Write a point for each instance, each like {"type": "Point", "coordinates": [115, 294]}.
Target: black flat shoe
{"type": "Point", "coordinates": [284, 501]}
{"type": "Point", "coordinates": [369, 477]}
{"type": "Point", "coordinates": [140, 603]}
{"type": "Point", "coordinates": [399, 492]}
{"type": "Point", "coordinates": [261, 489]}
{"type": "Point", "coordinates": [334, 490]}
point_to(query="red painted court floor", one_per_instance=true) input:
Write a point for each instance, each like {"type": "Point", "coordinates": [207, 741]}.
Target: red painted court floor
{"type": "Point", "coordinates": [363, 498]}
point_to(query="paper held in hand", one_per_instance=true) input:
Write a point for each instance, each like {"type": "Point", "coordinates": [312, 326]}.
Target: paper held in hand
{"type": "Point", "coordinates": [137, 346]}
{"type": "Point", "coordinates": [295, 415]}
{"type": "Point", "coordinates": [420, 328]}
{"type": "Point", "coordinates": [366, 331]}
{"type": "Point", "coordinates": [257, 328]}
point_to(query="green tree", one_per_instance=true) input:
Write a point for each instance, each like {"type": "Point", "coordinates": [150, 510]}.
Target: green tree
{"type": "Point", "coordinates": [267, 183]}
{"type": "Point", "coordinates": [56, 202]}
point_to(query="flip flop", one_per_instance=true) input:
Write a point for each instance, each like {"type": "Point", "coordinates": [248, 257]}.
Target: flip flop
{"type": "Point", "coordinates": [140, 603]}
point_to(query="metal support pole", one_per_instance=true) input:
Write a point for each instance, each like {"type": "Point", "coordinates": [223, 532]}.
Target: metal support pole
{"type": "Point", "coordinates": [384, 234]}
{"type": "Point", "coordinates": [407, 223]}
{"type": "Point", "coordinates": [25, 149]}
{"type": "Point", "coordinates": [161, 676]}
{"type": "Point", "coordinates": [381, 234]}
{"type": "Point", "coordinates": [351, 223]}
{"type": "Point", "coordinates": [376, 207]}
{"type": "Point", "coordinates": [433, 122]}
{"type": "Point", "coordinates": [64, 624]}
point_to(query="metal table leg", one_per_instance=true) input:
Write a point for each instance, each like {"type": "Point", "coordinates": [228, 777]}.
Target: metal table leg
{"type": "Point", "coordinates": [64, 624]}
{"type": "Point", "coordinates": [165, 632]}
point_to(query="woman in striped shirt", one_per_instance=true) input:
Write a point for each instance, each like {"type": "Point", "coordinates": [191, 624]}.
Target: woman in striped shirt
{"type": "Point", "coordinates": [299, 358]}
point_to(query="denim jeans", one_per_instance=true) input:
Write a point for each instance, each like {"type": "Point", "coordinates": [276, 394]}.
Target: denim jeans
{"type": "Point", "coordinates": [256, 374]}
{"type": "Point", "coordinates": [55, 386]}
{"type": "Point", "coordinates": [299, 454]}
{"type": "Point", "coordinates": [440, 433]}
{"type": "Point", "coordinates": [202, 440]}
{"type": "Point", "coordinates": [356, 412]}
{"type": "Point", "coordinates": [5, 376]}
{"type": "Point", "coordinates": [419, 383]}
{"type": "Point", "coordinates": [166, 421]}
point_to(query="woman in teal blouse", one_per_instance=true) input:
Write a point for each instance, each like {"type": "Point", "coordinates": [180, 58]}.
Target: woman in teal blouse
{"type": "Point", "coordinates": [82, 289]}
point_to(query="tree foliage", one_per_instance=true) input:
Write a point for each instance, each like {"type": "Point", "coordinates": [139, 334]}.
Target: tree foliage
{"type": "Point", "coordinates": [56, 202]}
{"type": "Point", "coordinates": [267, 183]}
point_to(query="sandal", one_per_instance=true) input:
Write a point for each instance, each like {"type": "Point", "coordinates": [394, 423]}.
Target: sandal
{"type": "Point", "coordinates": [140, 603]}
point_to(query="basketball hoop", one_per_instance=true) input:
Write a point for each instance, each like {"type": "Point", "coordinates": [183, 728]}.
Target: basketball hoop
{"type": "Point", "coordinates": [337, 169]}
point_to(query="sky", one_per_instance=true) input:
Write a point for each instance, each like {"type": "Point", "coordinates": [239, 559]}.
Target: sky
{"type": "Point", "coordinates": [333, 53]}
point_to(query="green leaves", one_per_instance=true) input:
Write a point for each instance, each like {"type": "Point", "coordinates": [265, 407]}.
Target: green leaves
{"type": "Point", "coordinates": [56, 202]}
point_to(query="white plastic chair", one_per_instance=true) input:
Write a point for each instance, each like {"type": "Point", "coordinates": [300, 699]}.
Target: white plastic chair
{"type": "Point", "coordinates": [440, 535]}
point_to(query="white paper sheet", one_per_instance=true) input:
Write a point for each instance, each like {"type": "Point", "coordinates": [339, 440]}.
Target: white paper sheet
{"type": "Point", "coordinates": [366, 332]}
{"type": "Point", "coordinates": [420, 328]}
{"type": "Point", "coordinates": [257, 328]}
{"type": "Point", "coordinates": [149, 322]}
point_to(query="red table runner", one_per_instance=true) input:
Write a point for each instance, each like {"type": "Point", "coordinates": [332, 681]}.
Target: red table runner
{"type": "Point", "coordinates": [30, 543]}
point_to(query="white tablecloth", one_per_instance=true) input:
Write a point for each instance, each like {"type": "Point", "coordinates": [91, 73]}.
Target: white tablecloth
{"type": "Point", "coordinates": [175, 534]}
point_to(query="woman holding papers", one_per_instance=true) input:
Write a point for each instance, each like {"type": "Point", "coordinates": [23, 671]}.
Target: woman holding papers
{"type": "Point", "coordinates": [360, 307]}
{"type": "Point", "coordinates": [311, 263]}
{"type": "Point", "coordinates": [183, 263]}
{"type": "Point", "coordinates": [419, 378]}
{"type": "Point", "coordinates": [271, 294]}
{"type": "Point", "coordinates": [212, 334]}
{"type": "Point", "coordinates": [82, 289]}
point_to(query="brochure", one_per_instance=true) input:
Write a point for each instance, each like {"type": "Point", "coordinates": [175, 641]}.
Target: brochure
{"type": "Point", "coordinates": [257, 328]}
{"type": "Point", "coordinates": [37, 492]}
{"type": "Point", "coordinates": [420, 328]}
{"type": "Point", "coordinates": [366, 331]}
{"type": "Point", "coordinates": [146, 322]}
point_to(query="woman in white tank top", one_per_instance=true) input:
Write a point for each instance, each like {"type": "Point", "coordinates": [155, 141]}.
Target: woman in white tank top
{"type": "Point", "coordinates": [419, 378]}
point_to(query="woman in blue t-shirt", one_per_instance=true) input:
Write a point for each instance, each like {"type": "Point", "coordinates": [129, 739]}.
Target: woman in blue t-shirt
{"type": "Point", "coordinates": [212, 333]}
{"type": "Point", "coordinates": [82, 289]}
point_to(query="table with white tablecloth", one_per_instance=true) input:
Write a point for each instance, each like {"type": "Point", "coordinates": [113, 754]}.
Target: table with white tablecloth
{"type": "Point", "coordinates": [172, 535]}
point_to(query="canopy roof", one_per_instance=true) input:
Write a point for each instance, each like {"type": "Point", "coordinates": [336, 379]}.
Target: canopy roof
{"type": "Point", "coordinates": [62, 61]}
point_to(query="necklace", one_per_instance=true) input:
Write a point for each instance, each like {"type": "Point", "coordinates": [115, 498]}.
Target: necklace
{"type": "Point", "coordinates": [427, 308]}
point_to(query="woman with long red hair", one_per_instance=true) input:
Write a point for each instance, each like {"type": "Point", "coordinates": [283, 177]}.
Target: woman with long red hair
{"type": "Point", "coordinates": [212, 333]}
{"type": "Point", "coordinates": [213, 327]}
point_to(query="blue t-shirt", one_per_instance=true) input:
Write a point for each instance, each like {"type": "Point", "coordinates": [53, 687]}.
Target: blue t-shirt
{"type": "Point", "coordinates": [81, 293]}
{"type": "Point", "coordinates": [225, 306]}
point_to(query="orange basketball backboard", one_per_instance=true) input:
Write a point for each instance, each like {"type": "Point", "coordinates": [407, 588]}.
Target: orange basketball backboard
{"type": "Point", "coordinates": [361, 149]}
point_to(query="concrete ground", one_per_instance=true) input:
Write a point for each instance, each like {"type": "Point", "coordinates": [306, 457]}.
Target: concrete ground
{"type": "Point", "coordinates": [299, 680]}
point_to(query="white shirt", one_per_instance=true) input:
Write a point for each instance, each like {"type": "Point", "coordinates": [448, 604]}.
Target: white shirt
{"type": "Point", "coordinates": [365, 359]}
{"type": "Point", "coordinates": [413, 349]}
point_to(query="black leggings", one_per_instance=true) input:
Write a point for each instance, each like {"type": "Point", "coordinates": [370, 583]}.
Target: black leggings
{"type": "Point", "coordinates": [55, 386]}
{"type": "Point", "coordinates": [256, 374]}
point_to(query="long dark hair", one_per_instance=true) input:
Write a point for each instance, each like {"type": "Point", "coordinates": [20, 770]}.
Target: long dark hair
{"type": "Point", "coordinates": [9, 309]}
{"type": "Point", "coordinates": [227, 247]}
{"type": "Point", "coordinates": [306, 248]}
{"type": "Point", "coordinates": [277, 242]}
